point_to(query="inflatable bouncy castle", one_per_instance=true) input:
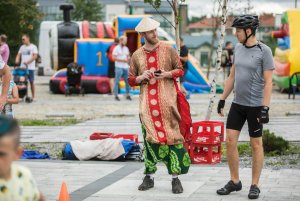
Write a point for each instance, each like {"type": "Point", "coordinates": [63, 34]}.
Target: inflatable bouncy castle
{"type": "Point", "coordinates": [287, 53]}
{"type": "Point", "coordinates": [89, 50]}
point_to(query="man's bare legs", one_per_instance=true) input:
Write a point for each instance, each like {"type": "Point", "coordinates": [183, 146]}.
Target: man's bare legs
{"type": "Point", "coordinates": [232, 137]}
{"type": "Point", "coordinates": [111, 85]}
{"type": "Point", "coordinates": [257, 158]}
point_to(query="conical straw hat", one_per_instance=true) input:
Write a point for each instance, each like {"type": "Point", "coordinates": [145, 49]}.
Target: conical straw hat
{"type": "Point", "coordinates": [147, 24]}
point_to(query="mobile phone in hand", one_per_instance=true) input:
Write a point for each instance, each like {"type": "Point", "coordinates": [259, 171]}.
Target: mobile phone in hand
{"type": "Point", "coordinates": [156, 73]}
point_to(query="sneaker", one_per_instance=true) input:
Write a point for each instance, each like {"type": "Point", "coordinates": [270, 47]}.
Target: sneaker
{"type": "Point", "coordinates": [128, 98]}
{"type": "Point", "coordinates": [176, 186]}
{"type": "Point", "coordinates": [117, 98]}
{"type": "Point", "coordinates": [147, 184]}
{"type": "Point", "coordinates": [230, 187]}
{"type": "Point", "coordinates": [253, 192]}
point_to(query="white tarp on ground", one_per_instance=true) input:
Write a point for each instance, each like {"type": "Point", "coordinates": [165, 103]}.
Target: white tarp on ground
{"type": "Point", "coordinates": [107, 149]}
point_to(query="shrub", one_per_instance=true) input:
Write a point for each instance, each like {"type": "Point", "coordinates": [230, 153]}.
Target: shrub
{"type": "Point", "coordinates": [274, 145]}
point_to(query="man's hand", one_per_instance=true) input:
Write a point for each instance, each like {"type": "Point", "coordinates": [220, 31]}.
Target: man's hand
{"type": "Point", "coordinates": [221, 105]}
{"type": "Point", "coordinates": [264, 115]}
{"type": "Point", "coordinates": [162, 75]}
{"type": "Point", "coordinates": [3, 101]}
{"type": "Point", "coordinates": [145, 77]}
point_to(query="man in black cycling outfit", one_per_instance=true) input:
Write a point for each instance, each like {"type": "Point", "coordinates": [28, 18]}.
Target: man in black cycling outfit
{"type": "Point", "coordinates": [251, 78]}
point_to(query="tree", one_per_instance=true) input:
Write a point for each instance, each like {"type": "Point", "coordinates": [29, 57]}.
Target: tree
{"type": "Point", "coordinates": [174, 5]}
{"type": "Point", "coordinates": [89, 10]}
{"type": "Point", "coordinates": [19, 17]}
{"type": "Point", "coordinates": [215, 27]}
{"type": "Point", "coordinates": [218, 63]}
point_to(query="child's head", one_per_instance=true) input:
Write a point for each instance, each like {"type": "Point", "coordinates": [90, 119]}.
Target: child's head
{"type": "Point", "coordinates": [10, 149]}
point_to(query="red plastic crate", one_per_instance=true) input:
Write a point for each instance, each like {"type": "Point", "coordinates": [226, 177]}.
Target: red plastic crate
{"type": "Point", "coordinates": [205, 154]}
{"type": "Point", "coordinates": [100, 136]}
{"type": "Point", "coordinates": [207, 138]}
{"type": "Point", "coordinates": [132, 137]}
{"type": "Point", "coordinates": [187, 146]}
{"type": "Point", "coordinates": [208, 132]}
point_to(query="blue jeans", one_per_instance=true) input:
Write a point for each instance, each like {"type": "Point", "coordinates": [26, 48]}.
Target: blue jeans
{"type": "Point", "coordinates": [121, 72]}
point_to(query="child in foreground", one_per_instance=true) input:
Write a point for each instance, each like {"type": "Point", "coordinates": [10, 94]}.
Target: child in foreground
{"type": "Point", "coordinates": [16, 182]}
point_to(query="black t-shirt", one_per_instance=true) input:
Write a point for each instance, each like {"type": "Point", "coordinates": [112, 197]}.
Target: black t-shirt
{"type": "Point", "coordinates": [184, 53]}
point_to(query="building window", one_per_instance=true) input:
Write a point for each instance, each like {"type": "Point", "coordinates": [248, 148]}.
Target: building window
{"type": "Point", "coordinates": [204, 59]}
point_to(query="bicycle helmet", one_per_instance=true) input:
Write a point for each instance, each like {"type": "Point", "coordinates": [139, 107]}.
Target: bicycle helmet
{"type": "Point", "coordinates": [246, 22]}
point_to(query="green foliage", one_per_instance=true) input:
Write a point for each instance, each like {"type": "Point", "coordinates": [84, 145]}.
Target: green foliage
{"type": "Point", "coordinates": [19, 17]}
{"type": "Point", "coordinates": [154, 3]}
{"type": "Point", "coordinates": [271, 42]}
{"type": "Point", "coordinates": [244, 149]}
{"type": "Point", "coordinates": [48, 122]}
{"type": "Point", "coordinates": [89, 10]}
{"type": "Point", "coordinates": [274, 145]}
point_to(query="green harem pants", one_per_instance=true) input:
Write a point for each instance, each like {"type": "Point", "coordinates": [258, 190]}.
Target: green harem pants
{"type": "Point", "coordinates": [175, 157]}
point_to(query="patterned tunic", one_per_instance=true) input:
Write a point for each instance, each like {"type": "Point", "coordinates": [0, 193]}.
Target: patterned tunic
{"type": "Point", "coordinates": [158, 99]}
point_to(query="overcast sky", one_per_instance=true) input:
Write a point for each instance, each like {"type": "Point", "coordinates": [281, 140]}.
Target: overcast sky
{"type": "Point", "coordinates": [206, 7]}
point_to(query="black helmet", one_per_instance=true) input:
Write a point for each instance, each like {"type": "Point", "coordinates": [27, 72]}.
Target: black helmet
{"type": "Point", "coordinates": [246, 21]}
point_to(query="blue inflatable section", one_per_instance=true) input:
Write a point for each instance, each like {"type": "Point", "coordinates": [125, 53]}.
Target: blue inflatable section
{"type": "Point", "coordinates": [91, 54]}
{"type": "Point", "coordinates": [127, 23]}
{"type": "Point", "coordinates": [284, 43]}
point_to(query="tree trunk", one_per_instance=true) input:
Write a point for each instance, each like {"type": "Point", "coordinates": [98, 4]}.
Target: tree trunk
{"type": "Point", "coordinates": [213, 40]}
{"type": "Point", "coordinates": [176, 12]}
{"type": "Point", "coordinates": [218, 63]}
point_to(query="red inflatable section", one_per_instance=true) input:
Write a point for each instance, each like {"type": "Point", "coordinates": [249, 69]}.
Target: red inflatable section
{"type": "Point", "coordinates": [102, 85]}
{"type": "Point", "coordinates": [284, 31]}
{"type": "Point", "coordinates": [62, 84]}
{"type": "Point", "coordinates": [281, 69]}
{"type": "Point", "coordinates": [85, 29]}
{"type": "Point", "coordinates": [100, 29]}
{"type": "Point", "coordinates": [110, 31]}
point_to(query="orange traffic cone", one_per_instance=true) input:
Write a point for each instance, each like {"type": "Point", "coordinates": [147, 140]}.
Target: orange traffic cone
{"type": "Point", "coordinates": [64, 195]}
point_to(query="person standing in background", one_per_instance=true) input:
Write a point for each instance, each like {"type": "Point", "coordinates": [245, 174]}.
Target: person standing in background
{"type": "Point", "coordinates": [6, 76]}
{"type": "Point", "coordinates": [227, 58]}
{"type": "Point", "coordinates": [4, 49]}
{"type": "Point", "coordinates": [184, 52]}
{"type": "Point", "coordinates": [121, 57]}
{"type": "Point", "coordinates": [111, 65]}
{"type": "Point", "coordinates": [26, 57]}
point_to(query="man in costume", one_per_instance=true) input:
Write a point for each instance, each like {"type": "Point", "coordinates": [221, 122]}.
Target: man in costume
{"type": "Point", "coordinates": [154, 67]}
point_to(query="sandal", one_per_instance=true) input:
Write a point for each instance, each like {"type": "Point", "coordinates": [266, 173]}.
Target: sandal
{"type": "Point", "coordinates": [230, 187]}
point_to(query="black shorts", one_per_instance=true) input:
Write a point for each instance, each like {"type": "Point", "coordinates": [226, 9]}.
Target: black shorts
{"type": "Point", "coordinates": [111, 69]}
{"type": "Point", "coordinates": [237, 116]}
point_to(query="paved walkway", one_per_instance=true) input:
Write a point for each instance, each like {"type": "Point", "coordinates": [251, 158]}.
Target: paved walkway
{"type": "Point", "coordinates": [287, 127]}
{"type": "Point", "coordinates": [118, 181]}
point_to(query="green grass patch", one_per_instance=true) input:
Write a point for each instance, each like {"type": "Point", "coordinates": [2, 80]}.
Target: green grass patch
{"type": "Point", "coordinates": [49, 122]}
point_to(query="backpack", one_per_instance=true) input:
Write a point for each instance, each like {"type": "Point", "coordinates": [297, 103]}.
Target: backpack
{"type": "Point", "coordinates": [224, 58]}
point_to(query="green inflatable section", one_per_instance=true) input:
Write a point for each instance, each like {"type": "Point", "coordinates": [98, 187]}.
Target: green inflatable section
{"type": "Point", "coordinates": [284, 18]}
{"type": "Point", "coordinates": [281, 82]}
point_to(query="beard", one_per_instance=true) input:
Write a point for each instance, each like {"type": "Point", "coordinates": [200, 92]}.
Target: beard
{"type": "Point", "coordinates": [152, 41]}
